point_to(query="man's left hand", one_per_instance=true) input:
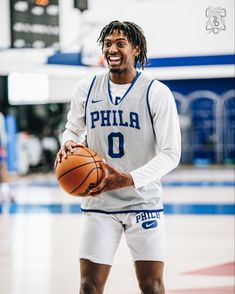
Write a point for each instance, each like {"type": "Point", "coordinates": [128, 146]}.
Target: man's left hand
{"type": "Point", "coordinates": [115, 179]}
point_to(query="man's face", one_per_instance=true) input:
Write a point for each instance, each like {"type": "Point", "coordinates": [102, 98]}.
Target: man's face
{"type": "Point", "coordinates": [119, 53]}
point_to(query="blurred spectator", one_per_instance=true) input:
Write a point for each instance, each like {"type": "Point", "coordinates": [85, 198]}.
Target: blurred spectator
{"type": "Point", "coordinates": [185, 126]}
{"type": "Point", "coordinates": [50, 146]}
{"type": "Point", "coordinates": [5, 193]}
{"type": "Point", "coordinates": [29, 152]}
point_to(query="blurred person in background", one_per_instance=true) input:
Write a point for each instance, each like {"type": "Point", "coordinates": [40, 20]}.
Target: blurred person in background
{"type": "Point", "coordinates": [131, 121]}
{"type": "Point", "coordinates": [50, 145]}
{"type": "Point", "coordinates": [5, 192]}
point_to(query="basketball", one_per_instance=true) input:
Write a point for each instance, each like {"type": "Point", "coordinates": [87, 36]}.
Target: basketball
{"type": "Point", "coordinates": [80, 172]}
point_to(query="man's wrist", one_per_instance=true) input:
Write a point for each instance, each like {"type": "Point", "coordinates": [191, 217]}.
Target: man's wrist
{"type": "Point", "coordinates": [130, 180]}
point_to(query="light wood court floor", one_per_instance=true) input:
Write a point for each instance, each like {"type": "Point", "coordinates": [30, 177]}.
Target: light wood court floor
{"type": "Point", "coordinates": [39, 237]}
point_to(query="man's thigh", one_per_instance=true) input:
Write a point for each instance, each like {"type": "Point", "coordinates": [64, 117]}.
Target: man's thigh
{"type": "Point", "coordinates": [101, 235]}
{"type": "Point", "coordinates": [145, 235]}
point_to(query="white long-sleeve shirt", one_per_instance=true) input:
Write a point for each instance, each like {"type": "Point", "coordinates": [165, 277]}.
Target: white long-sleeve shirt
{"type": "Point", "coordinates": [165, 123]}
{"type": "Point", "coordinates": [166, 126]}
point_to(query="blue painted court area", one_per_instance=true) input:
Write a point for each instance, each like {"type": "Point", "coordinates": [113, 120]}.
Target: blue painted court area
{"type": "Point", "coordinates": [180, 209]}
{"type": "Point", "coordinates": [186, 192]}
{"type": "Point", "coordinates": [54, 184]}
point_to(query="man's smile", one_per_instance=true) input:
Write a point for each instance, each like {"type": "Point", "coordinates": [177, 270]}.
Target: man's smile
{"type": "Point", "coordinates": [114, 60]}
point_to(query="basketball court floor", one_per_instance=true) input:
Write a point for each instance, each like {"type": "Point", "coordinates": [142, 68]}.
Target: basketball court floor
{"type": "Point", "coordinates": [39, 237]}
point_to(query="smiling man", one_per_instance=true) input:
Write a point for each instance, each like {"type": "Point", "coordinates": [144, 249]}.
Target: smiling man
{"type": "Point", "coordinates": [132, 122]}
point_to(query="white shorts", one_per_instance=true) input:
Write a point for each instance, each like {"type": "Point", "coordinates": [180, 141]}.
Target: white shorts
{"type": "Point", "coordinates": [144, 232]}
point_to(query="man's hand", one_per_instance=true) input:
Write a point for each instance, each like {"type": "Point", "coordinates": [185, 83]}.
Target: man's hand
{"type": "Point", "coordinates": [113, 180]}
{"type": "Point", "coordinates": [69, 146]}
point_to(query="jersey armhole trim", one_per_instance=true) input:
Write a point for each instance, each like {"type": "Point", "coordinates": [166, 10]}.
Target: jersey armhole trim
{"type": "Point", "coordinates": [88, 96]}
{"type": "Point", "coordinates": [148, 105]}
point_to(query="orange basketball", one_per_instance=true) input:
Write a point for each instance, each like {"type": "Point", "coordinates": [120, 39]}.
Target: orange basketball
{"type": "Point", "coordinates": [81, 171]}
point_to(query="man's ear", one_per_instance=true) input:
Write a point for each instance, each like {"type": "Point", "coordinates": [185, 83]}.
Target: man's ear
{"type": "Point", "coordinates": [137, 49]}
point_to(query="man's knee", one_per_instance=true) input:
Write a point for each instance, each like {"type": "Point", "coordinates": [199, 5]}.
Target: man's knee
{"type": "Point", "coordinates": [152, 287]}
{"type": "Point", "coordinates": [93, 277]}
{"type": "Point", "coordinates": [90, 287]}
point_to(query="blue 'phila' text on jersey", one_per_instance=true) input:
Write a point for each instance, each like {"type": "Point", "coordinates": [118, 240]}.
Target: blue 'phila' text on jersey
{"type": "Point", "coordinates": [107, 118]}
{"type": "Point", "coordinates": [146, 215]}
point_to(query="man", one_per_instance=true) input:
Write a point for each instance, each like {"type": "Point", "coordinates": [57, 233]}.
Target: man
{"type": "Point", "coordinates": [132, 122]}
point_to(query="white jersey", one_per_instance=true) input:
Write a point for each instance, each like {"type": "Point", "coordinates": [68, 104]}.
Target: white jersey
{"type": "Point", "coordinates": [127, 132]}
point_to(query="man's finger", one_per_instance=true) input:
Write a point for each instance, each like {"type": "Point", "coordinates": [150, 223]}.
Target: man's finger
{"type": "Point", "coordinates": [98, 189]}
{"type": "Point", "coordinates": [58, 158]}
{"type": "Point", "coordinates": [64, 154]}
{"type": "Point", "coordinates": [55, 163]}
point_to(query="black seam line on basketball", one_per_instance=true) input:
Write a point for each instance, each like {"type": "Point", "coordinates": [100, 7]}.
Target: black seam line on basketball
{"type": "Point", "coordinates": [83, 180]}
{"type": "Point", "coordinates": [95, 164]}
{"type": "Point", "coordinates": [76, 168]}
{"type": "Point", "coordinates": [97, 174]}
{"type": "Point", "coordinates": [90, 152]}
{"type": "Point", "coordinates": [82, 155]}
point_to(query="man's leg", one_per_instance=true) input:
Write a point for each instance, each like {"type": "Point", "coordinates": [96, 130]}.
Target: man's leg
{"type": "Point", "coordinates": [100, 237]}
{"type": "Point", "coordinates": [145, 235]}
{"type": "Point", "coordinates": [93, 277]}
{"type": "Point", "coordinates": [150, 276]}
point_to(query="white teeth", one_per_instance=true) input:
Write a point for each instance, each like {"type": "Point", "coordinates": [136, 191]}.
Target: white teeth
{"type": "Point", "coordinates": [113, 58]}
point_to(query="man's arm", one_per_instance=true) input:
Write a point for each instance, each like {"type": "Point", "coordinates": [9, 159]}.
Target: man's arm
{"type": "Point", "coordinates": [167, 131]}
{"type": "Point", "coordinates": [75, 129]}
{"type": "Point", "coordinates": [168, 137]}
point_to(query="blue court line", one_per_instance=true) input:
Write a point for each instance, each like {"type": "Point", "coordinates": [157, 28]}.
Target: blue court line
{"type": "Point", "coordinates": [39, 184]}
{"type": "Point", "coordinates": [199, 184]}
{"type": "Point", "coordinates": [177, 209]}
{"type": "Point", "coordinates": [202, 209]}
{"type": "Point", "coordinates": [54, 184]}
{"type": "Point", "coordinates": [40, 208]}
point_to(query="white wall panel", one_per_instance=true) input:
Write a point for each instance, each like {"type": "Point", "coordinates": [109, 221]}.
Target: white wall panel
{"type": "Point", "coordinates": [4, 24]}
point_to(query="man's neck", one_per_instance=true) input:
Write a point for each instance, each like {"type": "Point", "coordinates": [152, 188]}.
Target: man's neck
{"type": "Point", "coordinates": [123, 78]}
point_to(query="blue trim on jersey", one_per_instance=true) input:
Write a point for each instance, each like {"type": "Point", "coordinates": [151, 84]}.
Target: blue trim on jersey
{"type": "Point", "coordinates": [88, 96]}
{"type": "Point", "coordinates": [148, 105]}
{"type": "Point", "coordinates": [109, 93]}
{"type": "Point", "coordinates": [121, 211]}
{"type": "Point", "coordinates": [128, 90]}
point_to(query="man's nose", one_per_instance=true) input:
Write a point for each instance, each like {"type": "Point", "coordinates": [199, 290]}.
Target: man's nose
{"type": "Point", "coordinates": [113, 48]}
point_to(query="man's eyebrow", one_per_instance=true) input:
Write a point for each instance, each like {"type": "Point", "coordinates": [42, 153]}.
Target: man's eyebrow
{"type": "Point", "coordinates": [118, 39]}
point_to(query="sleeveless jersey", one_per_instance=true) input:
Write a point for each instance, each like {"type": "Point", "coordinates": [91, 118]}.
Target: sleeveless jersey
{"type": "Point", "coordinates": [120, 129]}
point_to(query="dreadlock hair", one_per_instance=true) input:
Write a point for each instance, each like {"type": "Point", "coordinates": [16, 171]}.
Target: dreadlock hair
{"type": "Point", "coordinates": [134, 35]}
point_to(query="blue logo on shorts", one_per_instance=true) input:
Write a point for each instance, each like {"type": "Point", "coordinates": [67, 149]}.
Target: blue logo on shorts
{"type": "Point", "coordinates": [149, 224]}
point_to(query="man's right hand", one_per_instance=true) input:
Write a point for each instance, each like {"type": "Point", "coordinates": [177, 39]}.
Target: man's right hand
{"type": "Point", "coordinates": [68, 147]}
